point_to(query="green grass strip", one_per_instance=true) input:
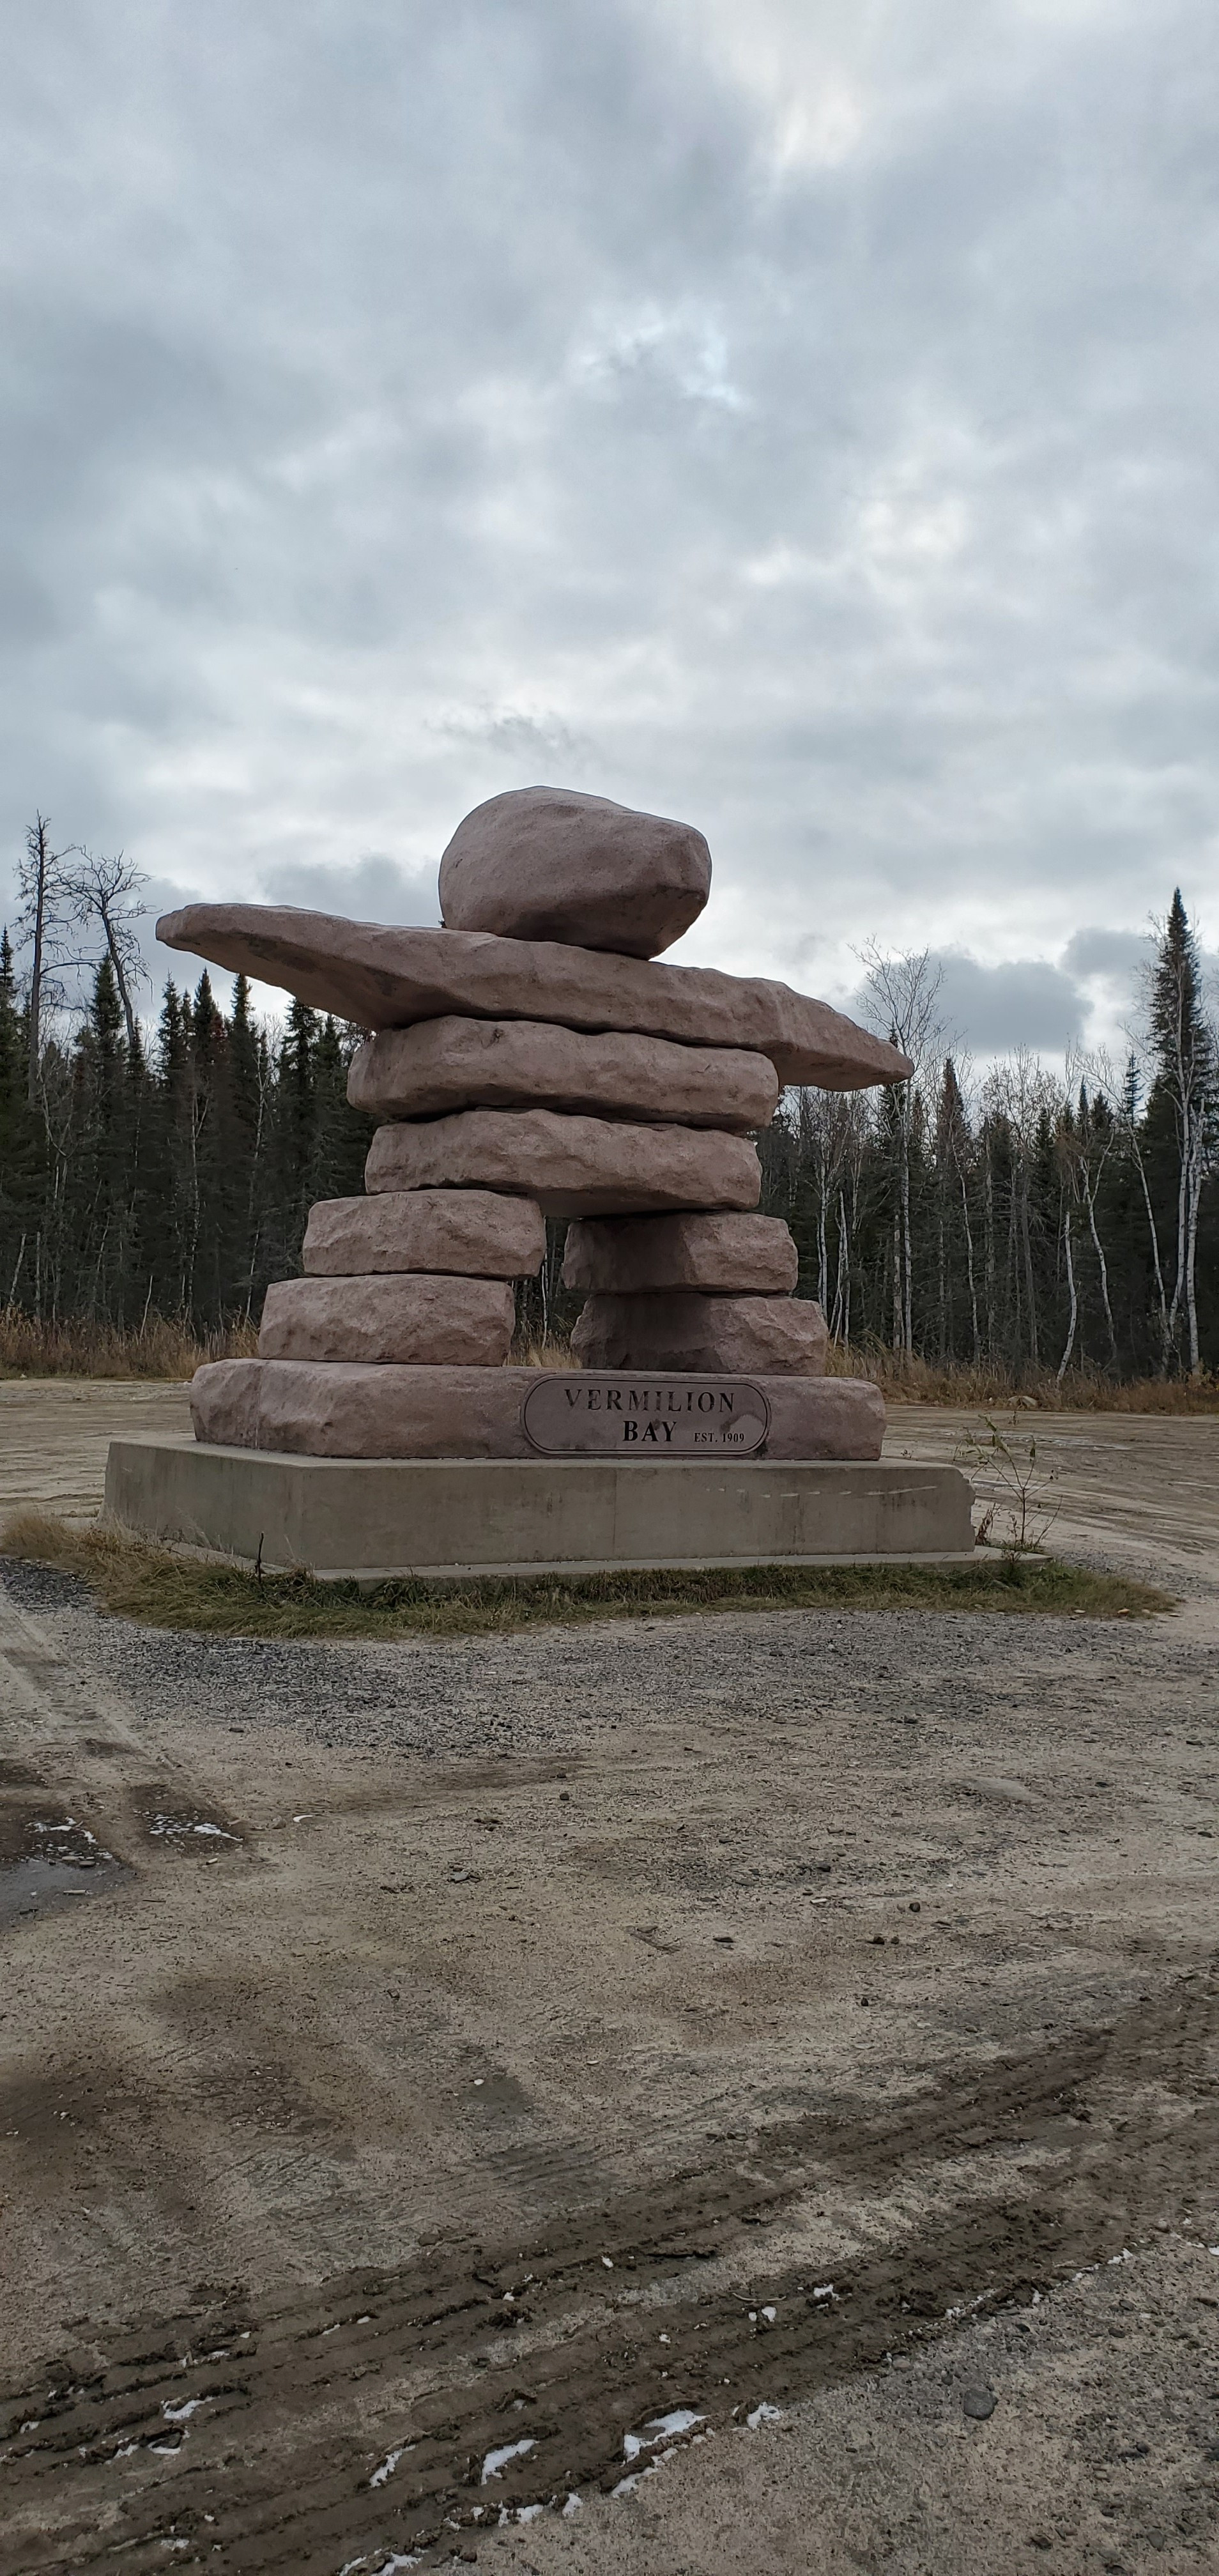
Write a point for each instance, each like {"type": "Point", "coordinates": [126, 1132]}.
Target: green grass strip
{"type": "Point", "coordinates": [133, 1579]}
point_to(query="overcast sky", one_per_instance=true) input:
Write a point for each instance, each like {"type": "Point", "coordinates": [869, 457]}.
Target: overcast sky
{"type": "Point", "coordinates": [794, 416]}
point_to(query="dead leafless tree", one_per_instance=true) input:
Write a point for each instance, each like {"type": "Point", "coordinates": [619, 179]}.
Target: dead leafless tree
{"type": "Point", "coordinates": [100, 890]}
{"type": "Point", "coordinates": [43, 914]}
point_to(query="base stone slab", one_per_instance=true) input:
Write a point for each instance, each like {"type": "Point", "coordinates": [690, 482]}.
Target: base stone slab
{"type": "Point", "coordinates": [371, 1518]}
{"type": "Point", "coordinates": [337, 1409]}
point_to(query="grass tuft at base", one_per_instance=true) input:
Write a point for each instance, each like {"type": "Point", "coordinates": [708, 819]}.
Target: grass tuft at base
{"type": "Point", "coordinates": [131, 1578]}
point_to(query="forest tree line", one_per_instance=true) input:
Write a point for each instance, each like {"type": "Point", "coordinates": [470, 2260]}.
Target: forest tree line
{"type": "Point", "coordinates": [1027, 1222]}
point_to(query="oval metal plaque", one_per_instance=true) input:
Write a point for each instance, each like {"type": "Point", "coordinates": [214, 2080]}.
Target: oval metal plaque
{"type": "Point", "coordinates": [602, 1413]}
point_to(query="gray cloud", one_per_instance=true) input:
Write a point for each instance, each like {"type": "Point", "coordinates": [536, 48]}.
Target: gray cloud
{"type": "Point", "coordinates": [995, 1009]}
{"type": "Point", "coordinates": [796, 419]}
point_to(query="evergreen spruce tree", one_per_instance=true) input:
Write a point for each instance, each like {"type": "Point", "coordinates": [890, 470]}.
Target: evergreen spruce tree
{"type": "Point", "coordinates": [1182, 1107]}
{"type": "Point", "coordinates": [22, 1158]}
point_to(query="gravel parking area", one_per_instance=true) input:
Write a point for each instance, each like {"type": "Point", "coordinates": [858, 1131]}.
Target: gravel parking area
{"type": "Point", "coordinates": [496, 2049]}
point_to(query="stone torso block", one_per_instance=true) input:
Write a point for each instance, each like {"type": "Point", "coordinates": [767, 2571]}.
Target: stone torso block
{"type": "Point", "coordinates": [571, 1166]}
{"type": "Point", "coordinates": [440, 1065]}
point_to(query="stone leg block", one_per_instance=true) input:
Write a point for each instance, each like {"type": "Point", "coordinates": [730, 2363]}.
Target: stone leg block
{"type": "Point", "coordinates": [754, 1336]}
{"type": "Point", "coordinates": [401, 1316]}
{"type": "Point", "coordinates": [571, 1166]}
{"type": "Point", "coordinates": [628, 1256]}
{"type": "Point", "coordinates": [460, 1517]}
{"type": "Point", "coordinates": [346, 1411]}
{"type": "Point", "coordinates": [474, 1234]}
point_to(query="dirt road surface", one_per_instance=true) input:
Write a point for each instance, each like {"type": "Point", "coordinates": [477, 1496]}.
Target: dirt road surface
{"type": "Point", "coordinates": [771, 2062]}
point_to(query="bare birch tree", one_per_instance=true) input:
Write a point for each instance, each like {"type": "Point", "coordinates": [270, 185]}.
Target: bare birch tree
{"type": "Point", "coordinates": [901, 1001]}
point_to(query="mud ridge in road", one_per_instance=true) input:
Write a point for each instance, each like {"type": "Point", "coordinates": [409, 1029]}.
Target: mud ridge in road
{"type": "Point", "coordinates": [355, 2422]}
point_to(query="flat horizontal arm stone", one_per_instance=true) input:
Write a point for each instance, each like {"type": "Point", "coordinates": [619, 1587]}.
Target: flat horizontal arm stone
{"type": "Point", "coordinates": [521, 1064]}
{"type": "Point", "coordinates": [474, 1234]}
{"type": "Point", "coordinates": [386, 977]}
{"type": "Point", "coordinates": [625, 1256]}
{"type": "Point", "coordinates": [571, 1166]}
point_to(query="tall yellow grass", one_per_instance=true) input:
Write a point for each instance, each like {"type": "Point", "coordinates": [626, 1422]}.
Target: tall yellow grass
{"type": "Point", "coordinates": [167, 1347]}
{"type": "Point", "coordinates": [910, 1380]}
{"type": "Point", "coordinates": [161, 1346]}
{"type": "Point", "coordinates": [962, 1383]}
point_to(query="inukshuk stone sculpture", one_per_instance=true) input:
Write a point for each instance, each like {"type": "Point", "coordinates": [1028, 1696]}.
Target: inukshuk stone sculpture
{"type": "Point", "coordinates": [530, 1060]}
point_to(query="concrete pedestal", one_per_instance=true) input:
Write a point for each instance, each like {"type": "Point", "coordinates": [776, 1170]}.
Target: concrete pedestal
{"type": "Point", "coordinates": [464, 1516]}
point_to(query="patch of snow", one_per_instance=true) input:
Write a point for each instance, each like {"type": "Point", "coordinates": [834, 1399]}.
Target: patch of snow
{"type": "Point", "coordinates": [825, 2290]}
{"type": "Point", "coordinates": [770, 2314]}
{"type": "Point", "coordinates": [389, 2464]}
{"type": "Point", "coordinates": [180, 2414]}
{"type": "Point", "coordinates": [574, 2504]}
{"type": "Point", "coordinates": [497, 2461]}
{"type": "Point", "coordinates": [659, 2428]}
{"type": "Point", "coordinates": [764, 2415]}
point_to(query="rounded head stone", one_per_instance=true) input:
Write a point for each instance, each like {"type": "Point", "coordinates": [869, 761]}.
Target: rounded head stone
{"type": "Point", "coordinates": [547, 863]}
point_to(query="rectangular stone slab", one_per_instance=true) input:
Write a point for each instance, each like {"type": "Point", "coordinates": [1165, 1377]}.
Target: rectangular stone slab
{"type": "Point", "coordinates": [401, 1316]}
{"type": "Point", "coordinates": [628, 1255]}
{"type": "Point", "coordinates": [755, 1335]}
{"type": "Point", "coordinates": [450, 1518]}
{"type": "Point", "coordinates": [385, 978]}
{"type": "Point", "coordinates": [342, 1411]}
{"type": "Point", "coordinates": [475, 1234]}
{"type": "Point", "coordinates": [571, 1166]}
{"type": "Point", "coordinates": [524, 1064]}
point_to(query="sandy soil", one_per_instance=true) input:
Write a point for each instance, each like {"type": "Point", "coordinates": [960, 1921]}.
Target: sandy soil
{"type": "Point", "coordinates": [504, 2046]}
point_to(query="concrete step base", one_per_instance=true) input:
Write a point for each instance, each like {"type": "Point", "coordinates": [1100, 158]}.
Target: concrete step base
{"type": "Point", "coordinates": [365, 1518]}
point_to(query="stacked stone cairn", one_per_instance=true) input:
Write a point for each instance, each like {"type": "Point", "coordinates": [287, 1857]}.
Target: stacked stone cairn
{"type": "Point", "coordinates": [530, 1060]}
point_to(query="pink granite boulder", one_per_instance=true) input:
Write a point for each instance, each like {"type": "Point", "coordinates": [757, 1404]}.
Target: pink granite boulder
{"type": "Point", "coordinates": [351, 1412]}
{"type": "Point", "coordinates": [571, 1166]}
{"type": "Point", "coordinates": [548, 863]}
{"type": "Point", "coordinates": [400, 1317]}
{"type": "Point", "coordinates": [384, 977]}
{"type": "Point", "coordinates": [519, 1064]}
{"type": "Point", "coordinates": [629, 1255]}
{"type": "Point", "coordinates": [748, 1336]}
{"type": "Point", "coordinates": [475, 1234]}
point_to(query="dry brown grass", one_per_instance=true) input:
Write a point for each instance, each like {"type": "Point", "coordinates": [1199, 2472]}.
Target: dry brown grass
{"type": "Point", "coordinates": [163, 1347]}
{"type": "Point", "coordinates": [159, 1347]}
{"type": "Point", "coordinates": [132, 1578]}
{"type": "Point", "coordinates": [961, 1383]}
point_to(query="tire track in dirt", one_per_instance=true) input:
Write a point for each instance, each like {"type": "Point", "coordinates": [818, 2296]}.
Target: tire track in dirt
{"type": "Point", "coordinates": [250, 2444]}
